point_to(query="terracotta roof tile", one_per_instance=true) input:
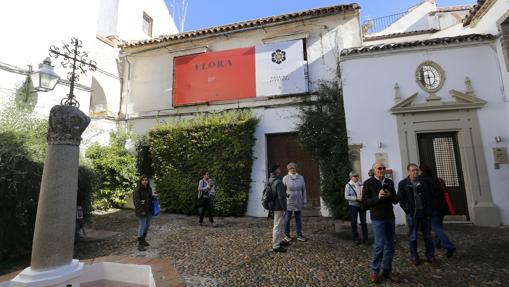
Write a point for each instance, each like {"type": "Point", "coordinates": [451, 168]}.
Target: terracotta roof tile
{"type": "Point", "coordinates": [413, 44]}
{"type": "Point", "coordinates": [398, 35]}
{"type": "Point", "coordinates": [246, 24]}
{"type": "Point", "coordinates": [481, 5]}
{"type": "Point", "coordinates": [451, 9]}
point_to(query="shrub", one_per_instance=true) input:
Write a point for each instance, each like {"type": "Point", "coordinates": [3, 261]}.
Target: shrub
{"type": "Point", "coordinates": [116, 169]}
{"type": "Point", "coordinates": [322, 132]}
{"type": "Point", "coordinates": [20, 178]}
{"type": "Point", "coordinates": [220, 144]}
{"type": "Point", "coordinates": [22, 152]}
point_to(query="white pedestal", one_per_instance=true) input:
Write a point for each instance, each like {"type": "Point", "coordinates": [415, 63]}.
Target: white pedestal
{"type": "Point", "coordinates": [63, 276]}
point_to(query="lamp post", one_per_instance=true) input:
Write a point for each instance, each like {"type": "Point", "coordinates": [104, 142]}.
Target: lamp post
{"type": "Point", "coordinates": [44, 79]}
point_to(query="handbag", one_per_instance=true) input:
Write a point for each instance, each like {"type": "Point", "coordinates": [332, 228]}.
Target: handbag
{"type": "Point", "coordinates": [155, 207]}
{"type": "Point", "coordinates": [450, 206]}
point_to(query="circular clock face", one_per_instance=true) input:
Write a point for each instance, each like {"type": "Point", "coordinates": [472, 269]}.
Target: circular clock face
{"type": "Point", "coordinates": [430, 77]}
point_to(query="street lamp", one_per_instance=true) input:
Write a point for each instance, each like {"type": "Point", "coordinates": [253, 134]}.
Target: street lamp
{"type": "Point", "coordinates": [44, 79]}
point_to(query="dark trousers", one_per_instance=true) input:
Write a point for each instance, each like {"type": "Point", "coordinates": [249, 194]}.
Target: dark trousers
{"type": "Point", "coordinates": [441, 240]}
{"type": "Point", "coordinates": [207, 206]}
{"type": "Point", "coordinates": [354, 212]}
{"type": "Point", "coordinates": [414, 221]}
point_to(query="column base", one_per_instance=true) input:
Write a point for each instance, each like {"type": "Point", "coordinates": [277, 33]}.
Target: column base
{"type": "Point", "coordinates": [62, 276]}
{"type": "Point", "coordinates": [486, 214]}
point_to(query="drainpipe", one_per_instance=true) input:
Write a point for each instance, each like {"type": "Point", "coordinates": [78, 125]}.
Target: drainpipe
{"type": "Point", "coordinates": [124, 87]}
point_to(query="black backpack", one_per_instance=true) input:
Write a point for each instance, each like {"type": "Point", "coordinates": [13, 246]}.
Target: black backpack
{"type": "Point", "coordinates": [268, 196]}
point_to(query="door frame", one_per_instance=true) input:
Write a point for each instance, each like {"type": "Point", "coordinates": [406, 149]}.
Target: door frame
{"type": "Point", "coordinates": [459, 116]}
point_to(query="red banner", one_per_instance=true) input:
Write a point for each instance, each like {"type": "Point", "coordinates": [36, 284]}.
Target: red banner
{"type": "Point", "coordinates": [214, 76]}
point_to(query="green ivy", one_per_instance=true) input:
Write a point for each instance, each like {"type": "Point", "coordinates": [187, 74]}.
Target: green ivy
{"type": "Point", "coordinates": [221, 144]}
{"type": "Point", "coordinates": [322, 132]}
{"type": "Point", "coordinates": [116, 167]}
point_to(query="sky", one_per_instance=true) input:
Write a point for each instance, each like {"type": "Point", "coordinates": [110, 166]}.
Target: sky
{"type": "Point", "coordinates": [209, 13]}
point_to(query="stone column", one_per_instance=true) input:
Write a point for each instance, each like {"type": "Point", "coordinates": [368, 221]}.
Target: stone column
{"type": "Point", "coordinates": [56, 213]}
{"type": "Point", "coordinates": [53, 244]}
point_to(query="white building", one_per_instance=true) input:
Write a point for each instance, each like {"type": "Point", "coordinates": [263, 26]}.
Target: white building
{"type": "Point", "coordinates": [100, 24]}
{"type": "Point", "coordinates": [437, 94]}
{"type": "Point", "coordinates": [230, 67]}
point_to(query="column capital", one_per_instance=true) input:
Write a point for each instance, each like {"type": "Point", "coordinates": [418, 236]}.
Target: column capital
{"type": "Point", "coordinates": [66, 124]}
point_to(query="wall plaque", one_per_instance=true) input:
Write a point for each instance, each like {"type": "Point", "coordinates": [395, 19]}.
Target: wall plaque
{"type": "Point", "coordinates": [500, 155]}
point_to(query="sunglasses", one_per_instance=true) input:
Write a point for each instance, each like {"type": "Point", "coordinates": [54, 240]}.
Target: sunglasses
{"type": "Point", "coordinates": [381, 168]}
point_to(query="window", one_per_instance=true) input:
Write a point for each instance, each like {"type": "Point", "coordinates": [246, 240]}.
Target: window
{"type": "Point", "coordinates": [147, 24]}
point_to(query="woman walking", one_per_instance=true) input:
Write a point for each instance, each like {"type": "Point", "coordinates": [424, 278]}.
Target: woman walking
{"type": "Point", "coordinates": [296, 199]}
{"type": "Point", "coordinates": [143, 210]}
{"type": "Point", "coordinates": [206, 191]}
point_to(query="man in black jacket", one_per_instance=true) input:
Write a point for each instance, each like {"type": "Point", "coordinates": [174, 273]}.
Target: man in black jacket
{"type": "Point", "coordinates": [416, 199]}
{"type": "Point", "coordinates": [279, 197]}
{"type": "Point", "coordinates": [379, 195]}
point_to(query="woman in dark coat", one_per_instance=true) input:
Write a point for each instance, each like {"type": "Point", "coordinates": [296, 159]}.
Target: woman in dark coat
{"type": "Point", "coordinates": [440, 209]}
{"type": "Point", "coordinates": [143, 209]}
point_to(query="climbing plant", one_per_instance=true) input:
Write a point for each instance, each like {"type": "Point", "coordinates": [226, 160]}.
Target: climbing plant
{"type": "Point", "coordinates": [322, 132]}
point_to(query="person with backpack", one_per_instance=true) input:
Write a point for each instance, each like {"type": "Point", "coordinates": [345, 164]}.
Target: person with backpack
{"type": "Point", "coordinates": [441, 207]}
{"type": "Point", "coordinates": [274, 198]}
{"type": "Point", "coordinates": [353, 194]}
{"type": "Point", "coordinates": [142, 199]}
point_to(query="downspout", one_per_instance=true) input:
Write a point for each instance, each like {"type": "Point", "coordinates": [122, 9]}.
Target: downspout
{"type": "Point", "coordinates": [124, 89]}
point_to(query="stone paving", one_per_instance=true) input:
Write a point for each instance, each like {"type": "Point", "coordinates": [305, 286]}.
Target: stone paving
{"type": "Point", "coordinates": [237, 252]}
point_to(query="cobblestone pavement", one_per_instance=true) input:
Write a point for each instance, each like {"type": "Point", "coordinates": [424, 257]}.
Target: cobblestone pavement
{"type": "Point", "coordinates": [237, 252]}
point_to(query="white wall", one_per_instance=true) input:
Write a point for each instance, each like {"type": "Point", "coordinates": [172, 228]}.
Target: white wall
{"type": "Point", "coordinates": [28, 34]}
{"type": "Point", "coordinates": [370, 121]}
{"type": "Point", "coordinates": [130, 19]}
{"type": "Point", "coordinates": [149, 91]}
{"type": "Point", "coordinates": [107, 17]}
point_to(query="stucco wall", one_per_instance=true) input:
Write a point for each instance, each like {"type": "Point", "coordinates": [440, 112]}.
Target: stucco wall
{"type": "Point", "coordinates": [371, 122]}
{"type": "Point", "coordinates": [130, 19]}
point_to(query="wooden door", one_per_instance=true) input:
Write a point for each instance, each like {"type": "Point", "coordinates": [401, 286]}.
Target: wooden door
{"type": "Point", "coordinates": [440, 152]}
{"type": "Point", "coordinates": [284, 148]}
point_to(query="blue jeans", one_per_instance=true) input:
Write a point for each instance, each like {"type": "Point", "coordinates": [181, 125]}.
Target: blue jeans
{"type": "Point", "coordinates": [354, 212]}
{"type": "Point", "coordinates": [383, 245]}
{"type": "Point", "coordinates": [414, 221]}
{"type": "Point", "coordinates": [298, 222]}
{"type": "Point", "coordinates": [143, 224]}
{"type": "Point", "coordinates": [440, 239]}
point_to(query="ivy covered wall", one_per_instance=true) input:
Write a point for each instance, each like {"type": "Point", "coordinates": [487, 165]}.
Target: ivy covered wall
{"type": "Point", "coordinates": [221, 144]}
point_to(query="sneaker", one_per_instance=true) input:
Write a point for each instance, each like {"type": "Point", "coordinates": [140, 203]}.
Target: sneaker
{"type": "Point", "coordinates": [450, 252]}
{"type": "Point", "coordinates": [302, 238]}
{"type": "Point", "coordinates": [373, 276]}
{"type": "Point", "coordinates": [279, 249]}
{"type": "Point", "coordinates": [284, 243]}
{"type": "Point", "coordinates": [287, 239]}
{"type": "Point", "coordinates": [434, 262]}
{"type": "Point", "coordinates": [392, 277]}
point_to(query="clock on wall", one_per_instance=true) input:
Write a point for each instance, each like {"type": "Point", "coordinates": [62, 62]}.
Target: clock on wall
{"type": "Point", "coordinates": [430, 76]}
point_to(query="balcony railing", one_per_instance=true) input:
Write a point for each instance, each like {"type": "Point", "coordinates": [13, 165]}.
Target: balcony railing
{"type": "Point", "coordinates": [376, 25]}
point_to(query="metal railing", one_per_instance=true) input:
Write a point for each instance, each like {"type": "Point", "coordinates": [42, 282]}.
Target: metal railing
{"type": "Point", "coordinates": [376, 25]}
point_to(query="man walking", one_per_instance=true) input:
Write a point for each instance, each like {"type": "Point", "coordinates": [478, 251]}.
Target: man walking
{"type": "Point", "coordinates": [279, 197]}
{"type": "Point", "coordinates": [379, 195]}
{"type": "Point", "coordinates": [415, 198]}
